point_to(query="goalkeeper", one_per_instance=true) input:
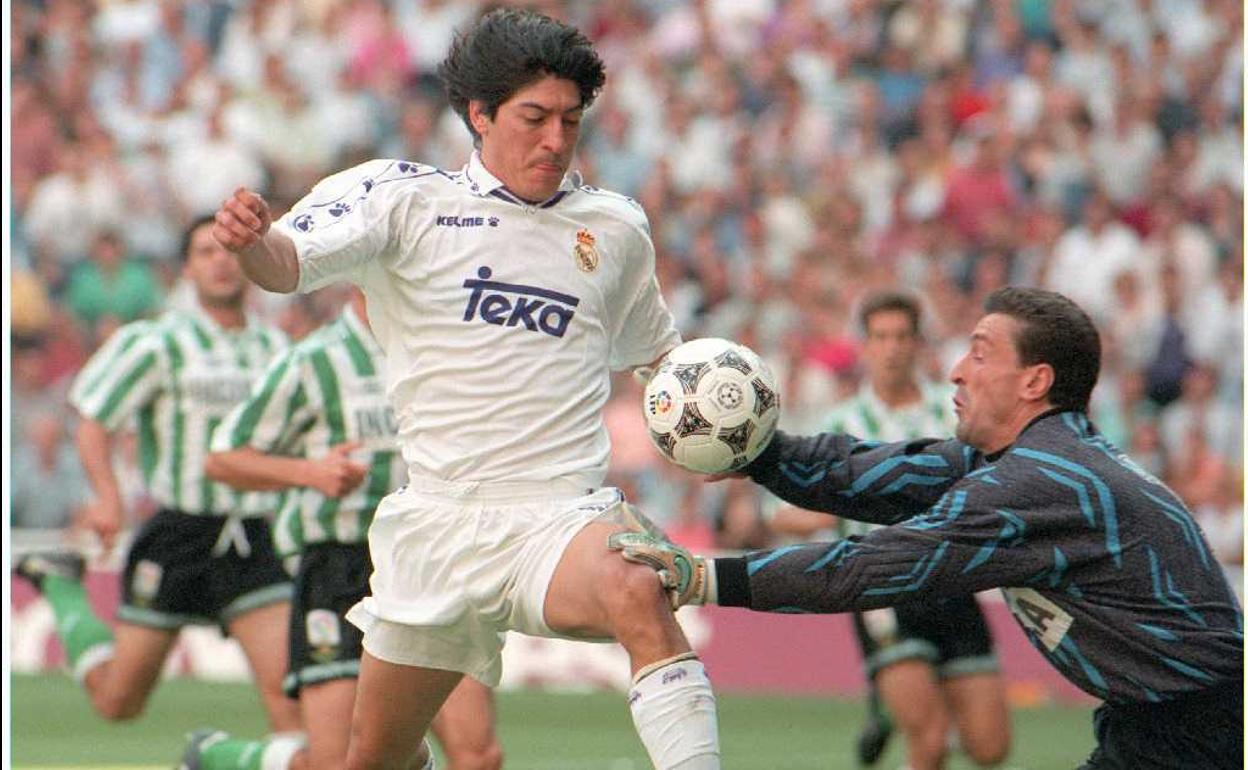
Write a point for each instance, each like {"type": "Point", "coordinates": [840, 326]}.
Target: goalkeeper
{"type": "Point", "coordinates": [1100, 563]}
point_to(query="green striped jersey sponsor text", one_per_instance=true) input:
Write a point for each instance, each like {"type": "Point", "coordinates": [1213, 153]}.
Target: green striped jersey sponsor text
{"type": "Point", "coordinates": [174, 379]}
{"type": "Point", "coordinates": [324, 391]}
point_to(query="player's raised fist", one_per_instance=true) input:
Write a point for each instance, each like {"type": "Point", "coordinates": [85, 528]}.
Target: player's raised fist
{"type": "Point", "coordinates": [242, 220]}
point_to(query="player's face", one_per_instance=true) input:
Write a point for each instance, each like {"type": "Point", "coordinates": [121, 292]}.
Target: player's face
{"type": "Point", "coordinates": [529, 143]}
{"type": "Point", "coordinates": [214, 272]}
{"type": "Point", "coordinates": [991, 382]}
{"type": "Point", "coordinates": [891, 349]}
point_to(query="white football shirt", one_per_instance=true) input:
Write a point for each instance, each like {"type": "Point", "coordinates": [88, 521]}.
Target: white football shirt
{"type": "Point", "coordinates": [500, 319]}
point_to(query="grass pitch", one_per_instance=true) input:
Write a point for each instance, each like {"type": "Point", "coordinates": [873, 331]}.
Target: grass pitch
{"type": "Point", "coordinates": [53, 727]}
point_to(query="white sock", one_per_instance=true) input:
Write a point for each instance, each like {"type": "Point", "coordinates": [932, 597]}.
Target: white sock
{"type": "Point", "coordinates": [281, 749]}
{"type": "Point", "coordinates": [94, 656]}
{"type": "Point", "coordinates": [674, 712]}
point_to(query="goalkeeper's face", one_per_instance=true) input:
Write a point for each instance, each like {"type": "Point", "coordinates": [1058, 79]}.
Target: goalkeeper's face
{"type": "Point", "coordinates": [997, 395]}
{"type": "Point", "coordinates": [214, 272]}
{"type": "Point", "coordinates": [529, 142]}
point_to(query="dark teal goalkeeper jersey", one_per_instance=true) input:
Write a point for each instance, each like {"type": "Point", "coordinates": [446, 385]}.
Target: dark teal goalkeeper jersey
{"type": "Point", "coordinates": [1101, 564]}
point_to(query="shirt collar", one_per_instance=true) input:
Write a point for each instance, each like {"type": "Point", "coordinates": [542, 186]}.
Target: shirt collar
{"type": "Point", "coordinates": [482, 183]}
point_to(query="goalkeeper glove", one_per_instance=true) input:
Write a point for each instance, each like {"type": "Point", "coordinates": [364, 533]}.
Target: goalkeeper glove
{"type": "Point", "coordinates": [642, 375]}
{"type": "Point", "coordinates": [682, 574]}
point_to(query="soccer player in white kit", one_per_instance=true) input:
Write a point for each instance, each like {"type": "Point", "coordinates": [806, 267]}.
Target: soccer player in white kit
{"type": "Point", "coordinates": [503, 295]}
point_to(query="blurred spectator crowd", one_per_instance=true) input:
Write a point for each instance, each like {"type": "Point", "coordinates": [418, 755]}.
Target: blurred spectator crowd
{"type": "Point", "coordinates": [792, 155]}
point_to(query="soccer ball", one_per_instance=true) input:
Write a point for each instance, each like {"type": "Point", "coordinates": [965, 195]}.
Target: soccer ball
{"type": "Point", "coordinates": [711, 406]}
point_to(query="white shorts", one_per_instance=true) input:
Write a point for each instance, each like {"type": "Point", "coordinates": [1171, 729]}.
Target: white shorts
{"type": "Point", "coordinates": [457, 565]}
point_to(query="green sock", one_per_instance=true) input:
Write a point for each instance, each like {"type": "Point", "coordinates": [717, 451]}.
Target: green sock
{"type": "Point", "coordinates": [77, 626]}
{"type": "Point", "coordinates": [232, 754]}
{"type": "Point", "coordinates": [221, 752]}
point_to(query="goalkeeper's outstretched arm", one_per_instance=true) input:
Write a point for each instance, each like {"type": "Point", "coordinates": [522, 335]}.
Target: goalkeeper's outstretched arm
{"type": "Point", "coordinates": [862, 480]}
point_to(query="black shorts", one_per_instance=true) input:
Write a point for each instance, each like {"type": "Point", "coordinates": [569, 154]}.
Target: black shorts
{"type": "Point", "coordinates": [1204, 730]}
{"type": "Point", "coordinates": [950, 634]}
{"type": "Point", "coordinates": [324, 645]}
{"type": "Point", "coordinates": [185, 569]}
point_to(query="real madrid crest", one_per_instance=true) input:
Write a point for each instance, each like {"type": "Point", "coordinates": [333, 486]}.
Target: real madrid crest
{"type": "Point", "coordinates": [584, 251]}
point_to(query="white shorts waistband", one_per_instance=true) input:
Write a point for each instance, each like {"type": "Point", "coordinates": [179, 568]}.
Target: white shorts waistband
{"type": "Point", "coordinates": [500, 491]}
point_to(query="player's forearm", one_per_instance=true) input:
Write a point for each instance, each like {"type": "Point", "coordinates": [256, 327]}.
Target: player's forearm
{"type": "Point", "coordinates": [251, 470]}
{"type": "Point", "coordinates": [847, 575]}
{"type": "Point", "coordinates": [812, 578]}
{"type": "Point", "coordinates": [865, 481]}
{"type": "Point", "coordinates": [95, 448]}
{"type": "Point", "coordinates": [272, 263]}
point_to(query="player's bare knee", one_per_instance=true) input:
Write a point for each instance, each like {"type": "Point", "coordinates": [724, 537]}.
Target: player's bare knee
{"type": "Point", "coordinates": [493, 759]}
{"type": "Point", "coordinates": [277, 701]}
{"type": "Point", "coordinates": [633, 592]}
{"type": "Point", "coordinates": [989, 757]}
{"type": "Point", "coordinates": [485, 757]}
{"type": "Point", "coordinates": [118, 708]}
{"type": "Point", "coordinates": [987, 749]}
{"type": "Point", "coordinates": [926, 753]}
{"type": "Point", "coordinates": [927, 741]}
{"type": "Point", "coordinates": [118, 711]}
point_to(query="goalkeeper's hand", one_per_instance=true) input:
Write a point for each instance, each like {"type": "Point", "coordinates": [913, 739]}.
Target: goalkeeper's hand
{"type": "Point", "coordinates": [682, 574]}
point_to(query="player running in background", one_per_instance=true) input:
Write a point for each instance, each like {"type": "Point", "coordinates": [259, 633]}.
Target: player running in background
{"type": "Point", "coordinates": [1102, 565]}
{"type": "Point", "coordinates": [503, 295]}
{"type": "Point", "coordinates": [207, 555]}
{"type": "Point", "coordinates": [317, 423]}
{"type": "Point", "coordinates": [931, 663]}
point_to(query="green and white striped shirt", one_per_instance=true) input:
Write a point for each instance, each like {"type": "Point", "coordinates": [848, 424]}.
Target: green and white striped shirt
{"type": "Point", "coordinates": [328, 389]}
{"type": "Point", "coordinates": [867, 417]}
{"type": "Point", "coordinates": [178, 376]}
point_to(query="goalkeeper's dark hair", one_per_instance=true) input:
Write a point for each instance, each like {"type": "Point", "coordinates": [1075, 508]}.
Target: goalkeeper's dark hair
{"type": "Point", "coordinates": [1053, 330]}
{"type": "Point", "coordinates": [189, 233]}
{"type": "Point", "coordinates": [509, 49]}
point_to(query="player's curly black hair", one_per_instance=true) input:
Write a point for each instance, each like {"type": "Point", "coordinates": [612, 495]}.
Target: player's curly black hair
{"type": "Point", "coordinates": [1054, 331]}
{"type": "Point", "coordinates": [507, 50]}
